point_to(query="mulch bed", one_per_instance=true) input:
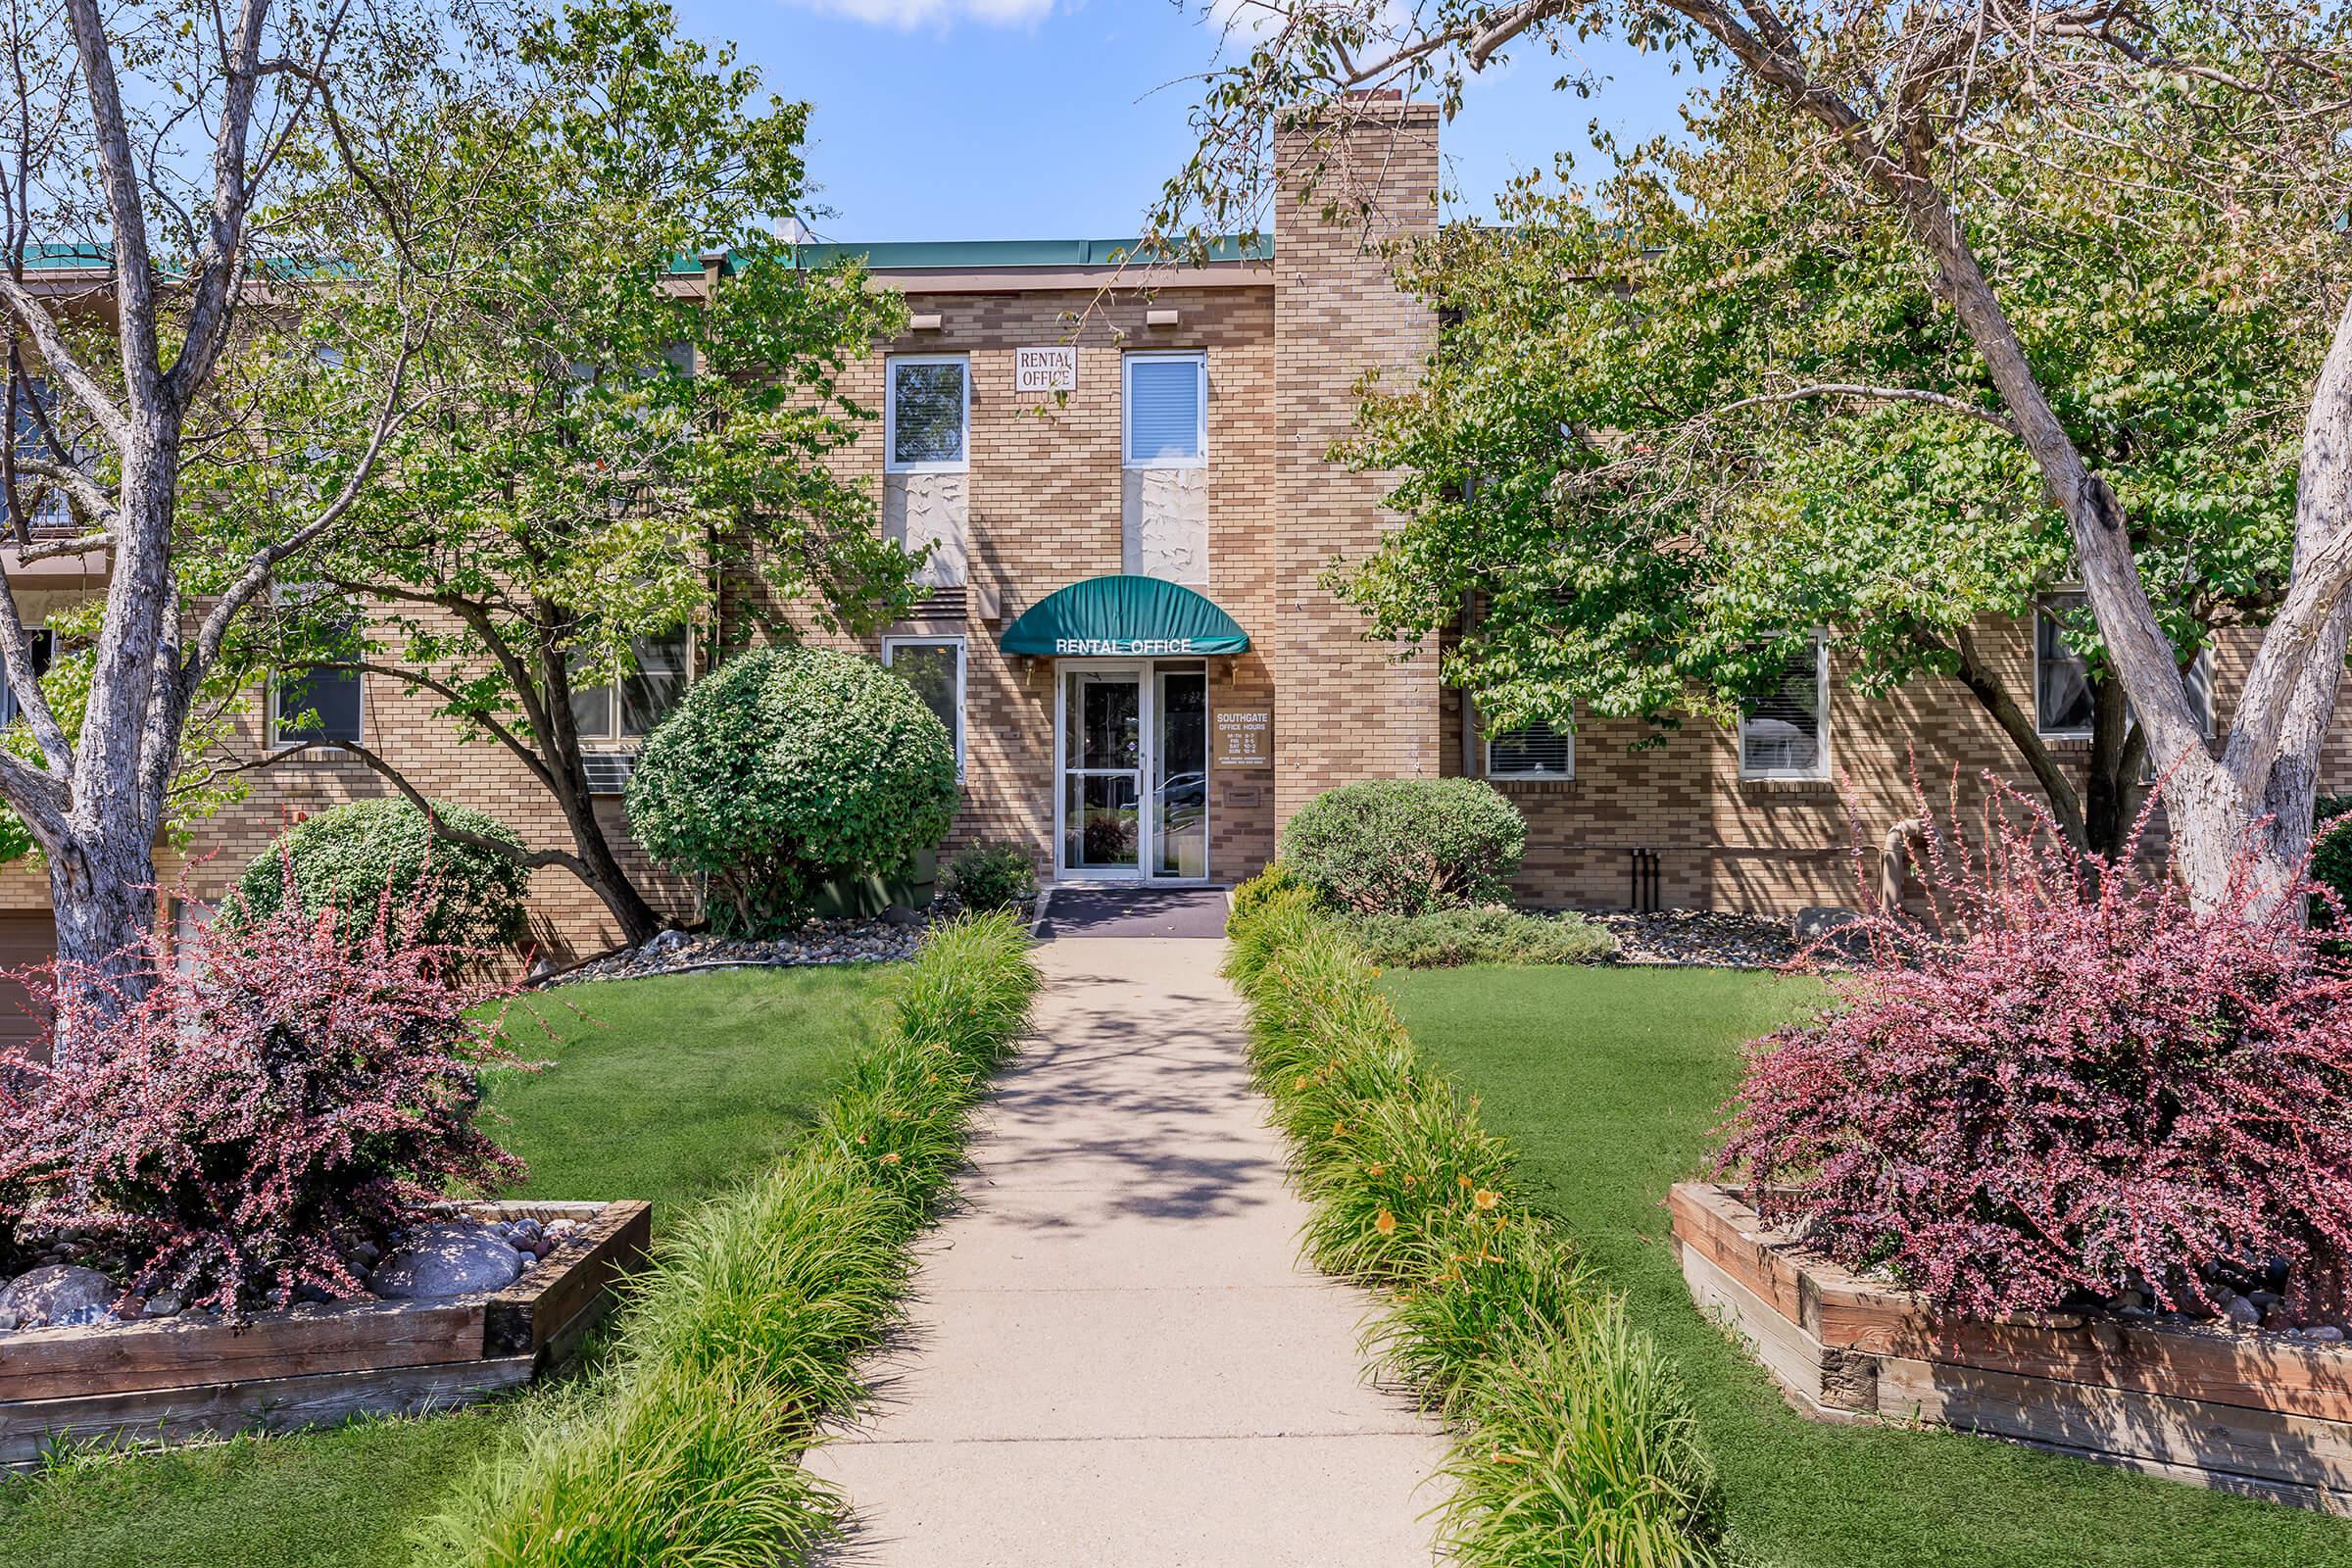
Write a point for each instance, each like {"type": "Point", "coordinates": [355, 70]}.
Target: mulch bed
{"type": "Point", "coordinates": [820, 942]}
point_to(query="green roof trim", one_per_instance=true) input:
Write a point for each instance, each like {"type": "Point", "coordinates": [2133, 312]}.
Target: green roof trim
{"type": "Point", "coordinates": [1124, 617]}
{"type": "Point", "coordinates": [961, 254]}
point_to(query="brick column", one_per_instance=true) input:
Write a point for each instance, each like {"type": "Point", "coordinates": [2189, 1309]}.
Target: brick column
{"type": "Point", "coordinates": [1345, 709]}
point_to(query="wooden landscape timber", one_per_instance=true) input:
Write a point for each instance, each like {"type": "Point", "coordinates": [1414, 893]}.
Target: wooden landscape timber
{"type": "Point", "coordinates": [2251, 1413]}
{"type": "Point", "coordinates": [170, 1380]}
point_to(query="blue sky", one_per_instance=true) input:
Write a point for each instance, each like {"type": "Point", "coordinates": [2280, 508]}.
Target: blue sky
{"type": "Point", "coordinates": [1057, 119]}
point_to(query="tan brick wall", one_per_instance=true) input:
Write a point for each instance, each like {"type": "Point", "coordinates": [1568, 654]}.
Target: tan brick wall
{"type": "Point", "coordinates": [1347, 709]}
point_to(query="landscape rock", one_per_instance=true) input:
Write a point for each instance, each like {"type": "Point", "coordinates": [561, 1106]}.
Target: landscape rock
{"type": "Point", "coordinates": [446, 1259]}
{"type": "Point", "coordinates": [2242, 1312]}
{"type": "Point", "coordinates": [1701, 938]}
{"type": "Point", "coordinates": [820, 941]}
{"type": "Point", "coordinates": [164, 1304]}
{"type": "Point", "coordinates": [59, 1296]}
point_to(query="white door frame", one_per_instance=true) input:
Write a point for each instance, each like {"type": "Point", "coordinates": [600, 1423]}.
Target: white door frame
{"type": "Point", "coordinates": [1147, 751]}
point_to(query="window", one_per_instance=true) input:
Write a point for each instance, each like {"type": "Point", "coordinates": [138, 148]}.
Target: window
{"type": "Point", "coordinates": [926, 416]}
{"type": "Point", "coordinates": [1787, 734]}
{"type": "Point", "coordinates": [44, 646]}
{"type": "Point", "coordinates": [610, 712]}
{"type": "Point", "coordinates": [37, 402]}
{"type": "Point", "coordinates": [317, 705]}
{"type": "Point", "coordinates": [1532, 751]}
{"type": "Point", "coordinates": [934, 667]}
{"type": "Point", "coordinates": [1167, 411]}
{"type": "Point", "coordinates": [2061, 698]}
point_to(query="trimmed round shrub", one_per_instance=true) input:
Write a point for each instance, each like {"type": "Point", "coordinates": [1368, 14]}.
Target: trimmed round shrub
{"type": "Point", "coordinates": [2071, 1083]}
{"type": "Point", "coordinates": [991, 876]}
{"type": "Point", "coordinates": [350, 856]}
{"type": "Point", "coordinates": [1406, 846]}
{"type": "Point", "coordinates": [789, 768]}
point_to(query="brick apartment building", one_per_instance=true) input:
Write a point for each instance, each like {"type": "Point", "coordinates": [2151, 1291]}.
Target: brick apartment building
{"type": "Point", "coordinates": [1123, 480]}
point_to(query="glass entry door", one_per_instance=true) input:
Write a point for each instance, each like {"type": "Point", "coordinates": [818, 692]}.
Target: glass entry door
{"type": "Point", "coordinates": [1102, 772]}
{"type": "Point", "coordinates": [1134, 759]}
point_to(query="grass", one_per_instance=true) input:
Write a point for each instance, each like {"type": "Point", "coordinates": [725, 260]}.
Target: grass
{"type": "Point", "coordinates": [666, 1088]}
{"type": "Point", "coordinates": [1608, 1081]}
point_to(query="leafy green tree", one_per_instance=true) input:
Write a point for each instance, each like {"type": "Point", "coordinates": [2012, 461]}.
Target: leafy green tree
{"type": "Point", "coordinates": [1750, 418]}
{"type": "Point", "coordinates": [1980, 141]}
{"type": "Point", "coordinates": [635, 399]}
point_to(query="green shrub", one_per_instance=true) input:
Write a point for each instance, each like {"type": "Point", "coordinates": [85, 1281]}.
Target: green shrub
{"type": "Point", "coordinates": [744, 1335]}
{"type": "Point", "coordinates": [1574, 1443]}
{"type": "Point", "coordinates": [1406, 846]}
{"type": "Point", "coordinates": [2331, 854]}
{"type": "Point", "coordinates": [1445, 939]}
{"type": "Point", "coordinates": [789, 768]}
{"type": "Point", "coordinates": [991, 876]}
{"type": "Point", "coordinates": [350, 856]}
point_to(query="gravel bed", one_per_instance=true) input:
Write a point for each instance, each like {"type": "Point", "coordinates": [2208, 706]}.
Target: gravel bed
{"type": "Point", "coordinates": [1702, 939]}
{"type": "Point", "coordinates": [877, 941]}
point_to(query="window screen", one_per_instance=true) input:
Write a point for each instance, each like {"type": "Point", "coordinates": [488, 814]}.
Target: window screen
{"type": "Point", "coordinates": [2061, 700]}
{"type": "Point", "coordinates": [1782, 736]}
{"type": "Point", "coordinates": [927, 406]}
{"type": "Point", "coordinates": [1164, 397]}
{"type": "Point", "coordinates": [1533, 750]}
{"type": "Point", "coordinates": [319, 705]}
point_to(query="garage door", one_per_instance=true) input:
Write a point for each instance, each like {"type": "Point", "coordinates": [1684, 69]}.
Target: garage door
{"type": "Point", "coordinates": [25, 939]}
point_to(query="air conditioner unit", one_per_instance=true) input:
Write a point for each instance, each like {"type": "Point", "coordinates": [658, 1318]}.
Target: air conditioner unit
{"type": "Point", "coordinates": [609, 771]}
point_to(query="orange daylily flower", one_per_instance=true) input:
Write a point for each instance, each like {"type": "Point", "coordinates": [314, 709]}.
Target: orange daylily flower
{"type": "Point", "coordinates": [1385, 1223]}
{"type": "Point", "coordinates": [1487, 1198]}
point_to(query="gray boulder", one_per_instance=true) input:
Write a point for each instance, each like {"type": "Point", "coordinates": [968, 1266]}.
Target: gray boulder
{"type": "Point", "coordinates": [446, 1259]}
{"type": "Point", "coordinates": [59, 1296]}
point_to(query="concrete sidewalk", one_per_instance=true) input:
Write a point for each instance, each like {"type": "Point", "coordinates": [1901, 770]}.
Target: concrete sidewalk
{"type": "Point", "coordinates": [1115, 1360]}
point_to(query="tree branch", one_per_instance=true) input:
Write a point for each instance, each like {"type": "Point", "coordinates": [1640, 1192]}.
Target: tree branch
{"type": "Point", "coordinates": [1875, 394]}
{"type": "Point", "coordinates": [532, 860]}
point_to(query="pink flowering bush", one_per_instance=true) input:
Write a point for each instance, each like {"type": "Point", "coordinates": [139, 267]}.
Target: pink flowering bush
{"type": "Point", "coordinates": [2066, 1080]}
{"type": "Point", "coordinates": [281, 1095]}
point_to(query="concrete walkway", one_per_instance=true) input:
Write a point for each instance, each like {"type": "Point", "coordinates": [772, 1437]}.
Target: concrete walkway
{"type": "Point", "coordinates": [1116, 1360]}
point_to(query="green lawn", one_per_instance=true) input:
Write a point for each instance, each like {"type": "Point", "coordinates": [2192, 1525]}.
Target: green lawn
{"type": "Point", "coordinates": [658, 1089]}
{"type": "Point", "coordinates": [1609, 1081]}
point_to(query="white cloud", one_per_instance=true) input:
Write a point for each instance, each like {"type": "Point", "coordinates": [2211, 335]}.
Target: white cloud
{"type": "Point", "coordinates": [907, 15]}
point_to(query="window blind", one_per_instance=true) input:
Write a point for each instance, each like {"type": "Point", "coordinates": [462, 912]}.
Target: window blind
{"type": "Point", "coordinates": [1533, 750]}
{"type": "Point", "coordinates": [1164, 410]}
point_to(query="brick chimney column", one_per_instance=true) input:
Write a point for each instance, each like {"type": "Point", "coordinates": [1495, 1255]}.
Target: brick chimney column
{"type": "Point", "coordinates": [1345, 709]}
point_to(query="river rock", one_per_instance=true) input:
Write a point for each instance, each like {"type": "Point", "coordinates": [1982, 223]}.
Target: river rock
{"type": "Point", "coordinates": [448, 1259]}
{"type": "Point", "coordinates": [59, 1296]}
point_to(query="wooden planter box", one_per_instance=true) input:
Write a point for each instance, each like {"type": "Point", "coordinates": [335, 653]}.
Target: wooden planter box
{"type": "Point", "coordinates": [2256, 1413]}
{"type": "Point", "coordinates": [166, 1380]}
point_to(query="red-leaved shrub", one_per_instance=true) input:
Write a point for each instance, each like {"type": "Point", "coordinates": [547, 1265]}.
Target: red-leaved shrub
{"type": "Point", "coordinates": [277, 1098]}
{"type": "Point", "coordinates": [2064, 1080]}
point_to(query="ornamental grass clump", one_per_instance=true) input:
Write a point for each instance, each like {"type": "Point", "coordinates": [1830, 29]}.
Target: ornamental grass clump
{"type": "Point", "coordinates": [2066, 1082]}
{"type": "Point", "coordinates": [1574, 1443]}
{"type": "Point", "coordinates": [279, 1094]}
{"type": "Point", "coordinates": [744, 1335]}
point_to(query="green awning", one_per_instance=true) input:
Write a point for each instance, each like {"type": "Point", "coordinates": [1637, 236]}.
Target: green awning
{"type": "Point", "coordinates": [1124, 617]}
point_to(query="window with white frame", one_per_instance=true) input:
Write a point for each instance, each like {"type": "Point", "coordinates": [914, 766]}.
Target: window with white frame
{"type": "Point", "coordinates": [934, 667]}
{"type": "Point", "coordinates": [38, 418]}
{"type": "Point", "coordinates": [43, 649]}
{"type": "Point", "coordinates": [2063, 704]}
{"type": "Point", "coordinates": [1166, 403]}
{"type": "Point", "coordinates": [317, 704]}
{"type": "Point", "coordinates": [1534, 751]}
{"type": "Point", "coordinates": [1786, 734]}
{"type": "Point", "coordinates": [927, 416]}
{"type": "Point", "coordinates": [612, 711]}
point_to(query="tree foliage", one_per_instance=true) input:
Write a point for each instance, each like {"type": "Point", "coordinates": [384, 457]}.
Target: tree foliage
{"type": "Point", "coordinates": [635, 393]}
{"type": "Point", "coordinates": [1625, 454]}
